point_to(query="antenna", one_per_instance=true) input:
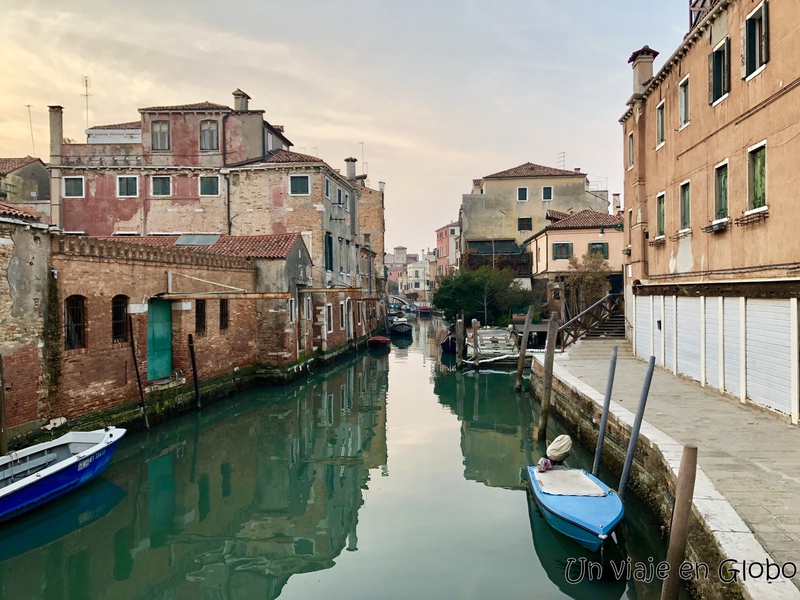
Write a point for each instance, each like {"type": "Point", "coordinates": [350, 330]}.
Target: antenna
{"type": "Point", "coordinates": [30, 120]}
{"type": "Point", "coordinates": [363, 165]}
{"type": "Point", "coordinates": [561, 158]}
{"type": "Point", "coordinates": [314, 150]}
{"type": "Point", "coordinates": [86, 85]}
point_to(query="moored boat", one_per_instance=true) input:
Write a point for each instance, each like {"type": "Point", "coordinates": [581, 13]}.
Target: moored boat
{"type": "Point", "coordinates": [40, 473]}
{"type": "Point", "coordinates": [379, 341]}
{"type": "Point", "coordinates": [401, 327]}
{"type": "Point", "coordinates": [449, 344]}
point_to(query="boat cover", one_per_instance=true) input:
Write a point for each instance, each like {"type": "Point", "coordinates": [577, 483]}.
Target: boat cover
{"type": "Point", "coordinates": [568, 482]}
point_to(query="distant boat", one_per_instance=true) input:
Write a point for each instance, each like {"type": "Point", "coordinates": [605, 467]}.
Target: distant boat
{"type": "Point", "coordinates": [424, 310]}
{"type": "Point", "coordinates": [43, 472]}
{"type": "Point", "coordinates": [401, 327]}
{"type": "Point", "coordinates": [378, 341]}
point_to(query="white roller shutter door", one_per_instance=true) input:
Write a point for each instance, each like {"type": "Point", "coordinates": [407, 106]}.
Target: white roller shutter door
{"type": "Point", "coordinates": [669, 332]}
{"type": "Point", "coordinates": [712, 342]}
{"type": "Point", "coordinates": [688, 320]}
{"type": "Point", "coordinates": [730, 315]}
{"type": "Point", "coordinates": [657, 332]}
{"type": "Point", "coordinates": [643, 326]}
{"type": "Point", "coordinates": [769, 365]}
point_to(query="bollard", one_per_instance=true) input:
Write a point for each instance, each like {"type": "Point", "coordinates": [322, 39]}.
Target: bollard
{"type": "Point", "coordinates": [679, 528]}
{"type": "Point", "coordinates": [598, 453]}
{"type": "Point", "coordinates": [549, 356]}
{"type": "Point", "coordinates": [637, 423]}
{"type": "Point", "coordinates": [523, 347]}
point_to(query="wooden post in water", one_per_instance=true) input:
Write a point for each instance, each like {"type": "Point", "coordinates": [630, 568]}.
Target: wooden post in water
{"type": "Point", "coordinates": [549, 356]}
{"type": "Point", "coordinates": [475, 344]}
{"type": "Point", "coordinates": [194, 372]}
{"type": "Point", "coordinates": [459, 340]}
{"type": "Point", "coordinates": [598, 453]}
{"type": "Point", "coordinates": [679, 528]}
{"type": "Point", "coordinates": [138, 376]}
{"type": "Point", "coordinates": [3, 430]}
{"type": "Point", "coordinates": [523, 347]}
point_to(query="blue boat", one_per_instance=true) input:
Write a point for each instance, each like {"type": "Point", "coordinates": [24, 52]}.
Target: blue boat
{"type": "Point", "coordinates": [40, 473]}
{"type": "Point", "coordinates": [577, 504]}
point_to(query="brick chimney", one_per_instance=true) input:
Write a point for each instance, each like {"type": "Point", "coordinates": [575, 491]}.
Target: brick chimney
{"type": "Point", "coordinates": [642, 63]}
{"type": "Point", "coordinates": [616, 206]}
{"type": "Point", "coordinates": [351, 168]}
{"type": "Point", "coordinates": [240, 101]}
{"type": "Point", "coordinates": [56, 141]}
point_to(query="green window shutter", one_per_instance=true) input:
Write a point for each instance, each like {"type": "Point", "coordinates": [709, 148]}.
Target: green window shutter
{"type": "Point", "coordinates": [605, 250]}
{"type": "Point", "coordinates": [743, 38]}
{"type": "Point", "coordinates": [765, 29]}
{"type": "Point", "coordinates": [569, 250]}
{"type": "Point", "coordinates": [726, 68]}
{"type": "Point", "coordinates": [711, 78]}
{"type": "Point", "coordinates": [555, 257]}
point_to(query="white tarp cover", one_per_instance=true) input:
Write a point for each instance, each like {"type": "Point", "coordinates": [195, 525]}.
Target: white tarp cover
{"type": "Point", "coordinates": [568, 482]}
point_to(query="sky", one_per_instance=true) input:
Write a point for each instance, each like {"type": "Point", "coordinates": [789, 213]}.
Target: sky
{"type": "Point", "coordinates": [431, 95]}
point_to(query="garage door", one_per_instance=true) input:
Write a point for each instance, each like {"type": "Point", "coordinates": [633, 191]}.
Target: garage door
{"type": "Point", "coordinates": [658, 329]}
{"type": "Point", "coordinates": [643, 326]}
{"type": "Point", "coordinates": [712, 341]}
{"type": "Point", "coordinates": [688, 320]}
{"type": "Point", "coordinates": [669, 332]}
{"type": "Point", "coordinates": [768, 355]}
{"type": "Point", "coordinates": [730, 326]}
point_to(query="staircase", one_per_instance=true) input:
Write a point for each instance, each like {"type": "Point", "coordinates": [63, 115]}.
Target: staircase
{"type": "Point", "coordinates": [604, 318]}
{"type": "Point", "coordinates": [612, 327]}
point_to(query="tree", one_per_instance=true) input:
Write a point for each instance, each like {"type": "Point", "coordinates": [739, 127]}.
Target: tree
{"type": "Point", "coordinates": [586, 282]}
{"type": "Point", "coordinates": [392, 287]}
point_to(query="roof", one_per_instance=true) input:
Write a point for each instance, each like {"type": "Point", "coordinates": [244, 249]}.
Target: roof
{"type": "Point", "coordinates": [287, 156]}
{"type": "Point", "coordinates": [7, 165]}
{"type": "Point", "coordinates": [197, 107]}
{"type": "Point", "coordinates": [493, 247]}
{"type": "Point", "coordinates": [532, 170]}
{"type": "Point", "coordinates": [128, 125]}
{"type": "Point", "coordinates": [249, 246]}
{"type": "Point", "coordinates": [556, 215]}
{"type": "Point", "coordinates": [9, 210]}
{"type": "Point", "coordinates": [587, 219]}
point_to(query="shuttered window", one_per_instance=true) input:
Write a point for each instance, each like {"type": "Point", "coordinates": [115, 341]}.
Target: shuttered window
{"type": "Point", "coordinates": [562, 250]}
{"type": "Point", "coordinates": [755, 40]}
{"type": "Point", "coordinates": [719, 71]}
{"type": "Point", "coordinates": [599, 247]}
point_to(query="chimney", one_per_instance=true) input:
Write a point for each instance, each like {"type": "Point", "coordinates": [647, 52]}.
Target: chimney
{"type": "Point", "coordinates": [240, 99]}
{"type": "Point", "coordinates": [642, 61]}
{"type": "Point", "coordinates": [381, 186]}
{"type": "Point", "coordinates": [351, 168]}
{"type": "Point", "coordinates": [615, 204]}
{"type": "Point", "coordinates": [56, 133]}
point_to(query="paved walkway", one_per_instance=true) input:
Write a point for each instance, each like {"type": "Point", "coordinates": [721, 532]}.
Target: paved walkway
{"type": "Point", "coordinates": [752, 458]}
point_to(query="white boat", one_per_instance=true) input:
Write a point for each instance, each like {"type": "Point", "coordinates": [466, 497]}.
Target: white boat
{"type": "Point", "coordinates": [401, 326]}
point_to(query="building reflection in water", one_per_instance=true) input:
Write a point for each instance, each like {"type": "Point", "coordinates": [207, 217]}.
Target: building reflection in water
{"type": "Point", "coordinates": [227, 503]}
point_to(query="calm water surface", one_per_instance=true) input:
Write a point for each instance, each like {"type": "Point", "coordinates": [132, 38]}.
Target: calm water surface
{"type": "Point", "coordinates": [381, 477]}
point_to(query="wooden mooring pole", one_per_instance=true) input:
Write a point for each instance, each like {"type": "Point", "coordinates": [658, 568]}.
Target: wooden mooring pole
{"type": "Point", "coordinates": [476, 347]}
{"type": "Point", "coordinates": [459, 340]}
{"type": "Point", "coordinates": [523, 347]}
{"type": "Point", "coordinates": [142, 405]}
{"type": "Point", "coordinates": [679, 528]}
{"type": "Point", "coordinates": [549, 356]}
{"type": "Point", "coordinates": [598, 453]}
{"type": "Point", "coordinates": [194, 372]}
{"type": "Point", "coordinates": [3, 429]}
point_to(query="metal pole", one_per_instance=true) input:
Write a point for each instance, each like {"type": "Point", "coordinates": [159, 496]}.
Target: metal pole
{"type": "Point", "coordinates": [3, 429]}
{"type": "Point", "coordinates": [138, 377]}
{"type": "Point", "coordinates": [549, 356]}
{"type": "Point", "coordinates": [523, 347]}
{"type": "Point", "coordinates": [598, 453]}
{"type": "Point", "coordinates": [194, 372]}
{"type": "Point", "coordinates": [637, 423]}
{"type": "Point", "coordinates": [679, 527]}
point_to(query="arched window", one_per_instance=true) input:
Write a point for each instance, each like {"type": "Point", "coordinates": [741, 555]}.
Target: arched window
{"type": "Point", "coordinates": [74, 323]}
{"type": "Point", "coordinates": [119, 319]}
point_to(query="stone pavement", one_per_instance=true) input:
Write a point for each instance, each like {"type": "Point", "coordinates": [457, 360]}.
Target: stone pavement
{"type": "Point", "coordinates": [752, 458]}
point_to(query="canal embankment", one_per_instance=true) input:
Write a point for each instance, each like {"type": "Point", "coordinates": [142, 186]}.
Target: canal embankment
{"type": "Point", "coordinates": [717, 532]}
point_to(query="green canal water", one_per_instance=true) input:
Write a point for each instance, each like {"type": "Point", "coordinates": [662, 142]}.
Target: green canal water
{"type": "Point", "coordinates": [379, 477]}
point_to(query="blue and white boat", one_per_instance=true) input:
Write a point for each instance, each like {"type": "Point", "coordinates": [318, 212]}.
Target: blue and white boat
{"type": "Point", "coordinates": [40, 473]}
{"type": "Point", "coordinates": [577, 504]}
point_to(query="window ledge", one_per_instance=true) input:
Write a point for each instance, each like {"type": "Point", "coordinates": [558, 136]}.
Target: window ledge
{"type": "Point", "coordinates": [681, 233]}
{"type": "Point", "coordinates": [630, 168]}
{"type": "Point", "coordinates": [661, 145]}
{"type": "Point", "coordinates": [684, 126]}
{"type": "Point", "coordinates": [756, 72]}
{"type": "Point", "coordinates": [718, 225]}
{"type": "Point", "coordinates": [754, 211]}
{"type": "Point", "coordinates": [720, 99]}
{"type": "Point", "coordinates": [659, 240]}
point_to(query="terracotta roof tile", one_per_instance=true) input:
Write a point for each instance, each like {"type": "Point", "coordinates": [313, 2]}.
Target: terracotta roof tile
{"type": "Point", "coordinates": [556, 215]}
{"type": "Point", "coordinates": [532, 170]}
{"type": "Point", "coordinates": [197, 107]}
{"type": "Point", "coordinates": [9, 210]}
{"type": "Point", "coordinates": [7, 165]}
{"type": "Point", "coordinates": [587, 219]}
{"type": "Point", "coordinates": [128, 125]}
{"type": "Point", "coordinates": [285, 156]}
{"type": "Point", "coordinates": [249, 246]}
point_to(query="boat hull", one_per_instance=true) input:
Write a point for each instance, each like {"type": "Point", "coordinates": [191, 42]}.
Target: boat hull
{"type": "Point", "coordinates": [588, 520]}
{"type": "Point", "coordinates": [400, 329]}
{"type": "Point", "coordinates": [58, 479]}
{"type": "Point", "coordinates": [378, 342]}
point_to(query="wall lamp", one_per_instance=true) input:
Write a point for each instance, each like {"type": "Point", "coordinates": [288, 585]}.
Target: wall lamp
{"type": "Point", "coordinates": [617, 227]}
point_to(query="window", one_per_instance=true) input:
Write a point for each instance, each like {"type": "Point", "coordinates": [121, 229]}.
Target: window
{"type": "Point", "coordinates": [452, 231]}
{"type": "Point", "coordinates": [298, 185]}
{"type": "Point", "coordinates": [522, 194]}
{"type": "Point", "coordinates": [200, 317]}
{"type": "Point", "coordinates": [162, 186]}
{"type": "Point", "coordinates": [119, 319]}
{"type": "Point", "coordinates": [721, 192]}
{"type": "Point", "coordinates": [683, 102]}
{"type": "Point", "coordinates": [660, 134]}
{"type": "Point", "coordinates": [73, 187]}
{"type": "Point", "coordinates": [524, 224]}
{"type": "Point", "coordinates": [547, 192]}
{"type": "Point", "coordinates": [209, 186]}
{"type": "Point", "coordinates": [341, 315]}
{"type": "Point", "coordinates": [719, 71]}
{"type": "Point", "coordinates": [328, 252]}
{"type": "Point", "coordinates": [328, 188]}
{"type": "Point", "coordinates": [329, 317]}
{"type": "Point", "coordinates": [599, 248]}
{"type": "Point", "coordinates": [347, 202]}
{"type": "Point", "coordinates": [755, 45]}
{"type": "Point", "coordinates": [127, 186]}
{"type": "Point", "coordinates": [686, 206]}
{"type": "Point", "coordinates": [630, 150]}
{"type": "Point", "coordinates": [338, 195]}
{"type": "Point", "coordinates": [159, 132]}
{"type": "Point", "coordinates": [209, 138]}
{"type": "Point", "coordinates": [341, 255]}
{"type": "Point", "coordinates": [74, 323]}
{"type": "Point", "coordinates": [757, 177]}
{"type": "Point", "coordinates": [291, 310]}
{"type": "Point", "coordinates": [416, 284]}
{"type": "Point", "coordinates": [661, 215]}
{"type": "Point", "coordinates": [562, 250]}
{"type": "Point", "coordinates": [224, 313]}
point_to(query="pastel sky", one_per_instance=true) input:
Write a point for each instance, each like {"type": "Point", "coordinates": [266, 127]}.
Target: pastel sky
{"type": "Point", "coordinates": [439, 92]}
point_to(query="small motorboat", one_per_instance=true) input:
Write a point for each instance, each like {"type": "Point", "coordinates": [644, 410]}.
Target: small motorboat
{"type": "Point", "coordinates": [424, 311]}
{"type": "Point", "coordinates": [40, 473]}
{"type": "Point", "coordinates": [401, 327]}
{"type": "Point", "coordinates": [379, 341]}
{"type": "Point", "coordinates": [573, 501]}
{"type": "Point", "coordinates": [449, 344]}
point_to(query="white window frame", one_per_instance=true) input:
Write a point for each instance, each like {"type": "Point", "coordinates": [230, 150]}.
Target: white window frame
{"type": "Point", "coordinates": [750, 150]}
{"type": "Point", "coordinates": [717, 166]}
{"type": "Point", "coordinates": [200, 186]}
{"type": "Point", "coordinates": [327, 188]}
{"type": "Point", "coordinates": [526, 194]}
{"type": "Point", "coordinates": [661, 111]}
{"type": "Point", "coordinates": [64, 186]}
{"type": "Point", "coordinates": [308, 179]}
{"type": "Point", "coordinates": [136, 177]}
{"type": "Point", "coordinates": [216, 135]}
{"type": "Point", "coordinates": [758, 70]}
{"type": "Point", "coordinates": [153, 137]}
{"type": "Point", "coordinates": [347, 202]}
{"type": "Point", "coordinates": [152, 179]}
{"type": "Point", "coordinates": [683, 104]}
{"type": "Point", "coordinates": [338, 195]}
{"type": "Point", "coordinates": [552, 193]}
{"type": "Point", "coordinates": [630, 150]}
{"type": "Point", "coordinates": [714, 49]}
{"type": "Point", "coordinates": [329, 317]}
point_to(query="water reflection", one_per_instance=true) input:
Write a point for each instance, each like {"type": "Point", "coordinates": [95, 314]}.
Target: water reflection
{"type": "Point", "coordinates": [227, 503]}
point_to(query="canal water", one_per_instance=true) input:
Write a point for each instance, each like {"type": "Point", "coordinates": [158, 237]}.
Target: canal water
{"type": "Point", "coordinates": [379, 477]}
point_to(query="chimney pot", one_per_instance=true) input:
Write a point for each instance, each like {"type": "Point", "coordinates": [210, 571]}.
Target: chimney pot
{"type": "Point", "coordinates": [351, 168]}
{"type": "Point", "coordinates": [642, 63]}
{"type": "Point", "coordinates": [240, 101]}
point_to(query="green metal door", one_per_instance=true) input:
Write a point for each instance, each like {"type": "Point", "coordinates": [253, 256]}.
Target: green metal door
{"type": "Point", "coordinates": [159, 339]}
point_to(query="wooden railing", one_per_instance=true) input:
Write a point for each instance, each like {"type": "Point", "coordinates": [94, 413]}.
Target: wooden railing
{"type": "Point", "coordinates": [597, 314]}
